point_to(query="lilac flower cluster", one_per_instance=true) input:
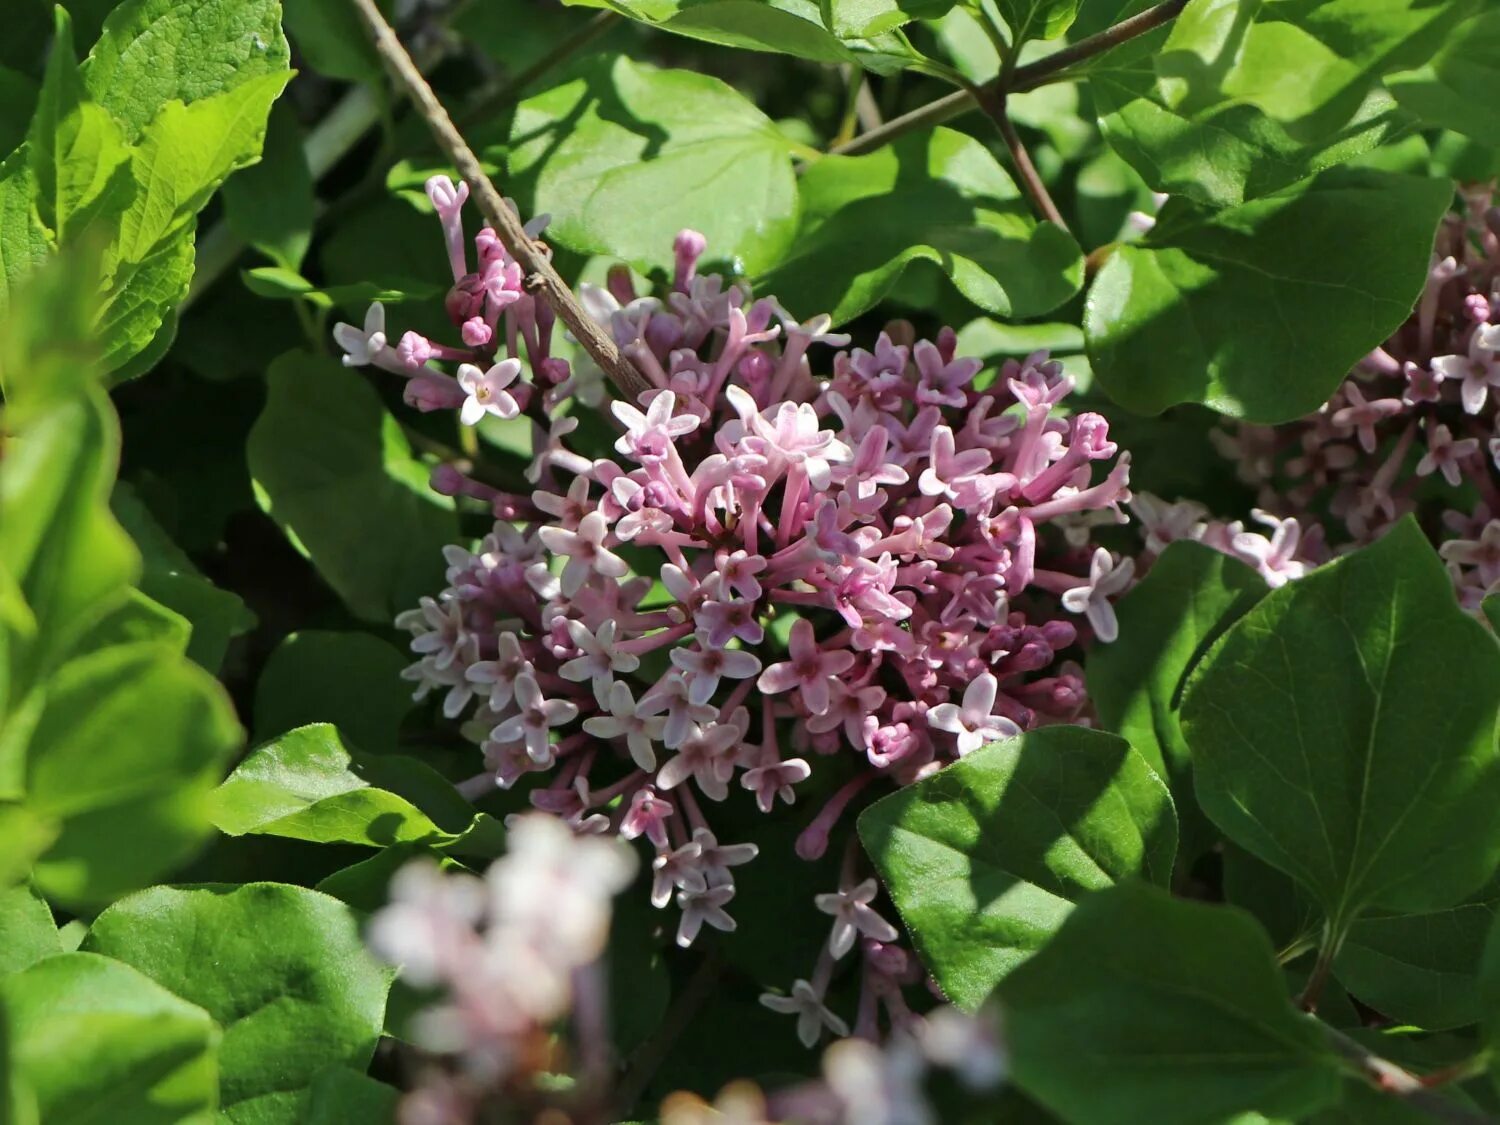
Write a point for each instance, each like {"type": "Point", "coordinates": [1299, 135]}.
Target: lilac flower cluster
{"type": "Point", "coordinates": [1415, 428]}
{"type": "Point", "coordinates": [889, 563]}
{"type": "Point", "coordinates": [512, 954]}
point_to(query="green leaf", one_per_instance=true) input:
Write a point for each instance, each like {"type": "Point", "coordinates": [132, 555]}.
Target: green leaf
{"type": "Point", "coordinates": [333, 469]}
{"type": "Point", "coordinates": [348, 679]}
{"type": "Point", "coordinates": [270, 204]}
{"type": "Point", "coordinates": [1260, 310]}
{"type": "Point", "coordinates": [185, 153]}
{"type": "Point", "coordinates": [789, 27]}
{"type": "Point", "coordinates": [340, 1096]}
{"type": "Point", "coordinates": [938, 198]}
{"type": "Point", "coordinates": [138, 321]}
{"type": "Point", "coordinates": [1305, 63]}
{"type": "Point", "coordinates": [1167, 621]}
{"type": "Point", "coordinates": [1143, 1008]}
{"type": "Point", "coordinates": [1421, 969]}
{"type": "Point", "coordinates": [129, 745]}
{"type": "Point", "coordinates": [280, 283]}
{"type": "Point", "coordinates": [1036, 19]}
{"type": "Point", "coordinates": [281, 969]}
{"type": "Point", "coordinates": [94, 1040]}
{"type": "Point", "coordinates": [1223, 153]}
{"type": "Point", "coordinates": [1460, 86]}
{"type": "Point", "coordinates": [24, 242]}
{"type": "Point", "coordinates": [865, 19]}
{"type": "Point", "coordinates": [626, 155]}
{"type": "Point", "coordinates": [1344, 731]}
{"type": "Point", "coordinates": [153, 52]}
{"type": "Point", "coordinates": [77, 151]}
{"type": "Point", "coordinates": [306, 785]}
{"type": "Point", "coordinates": [1489, 988]}
{"type": "Point", "coordinates": [985, 858]}
{"type": "Point", "coordinates": [27, 931]}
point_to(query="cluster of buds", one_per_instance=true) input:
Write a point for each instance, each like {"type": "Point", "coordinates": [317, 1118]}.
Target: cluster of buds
{"type": "Point", "coordinates": [511, 954]}
{"type": "Point", "coordinates": [886, 565]}
{"type": "Point", "coordinates": [1415, 428]}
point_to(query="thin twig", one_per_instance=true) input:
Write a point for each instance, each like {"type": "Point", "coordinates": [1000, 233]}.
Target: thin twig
{"type": "Point", "coordinates": [1023, 78]}
{"type": "Point", "coordinates": [1391, 1079]}
{"type": "Point", "coordinates": [502, 94]}
{"type": "Point", "coordinates": [1026, 173]}
{"type": "Point", "coordinates": [541, 278]}
{"type": "Point", "coordinates": [650, 1054]}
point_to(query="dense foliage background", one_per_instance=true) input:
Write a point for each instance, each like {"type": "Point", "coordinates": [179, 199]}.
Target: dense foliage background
{"type": "Point", "coordinates": [1254, 880]}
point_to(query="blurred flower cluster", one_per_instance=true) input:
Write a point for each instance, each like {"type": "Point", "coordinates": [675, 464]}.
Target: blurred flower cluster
{"type": "Point", "coordinates": [1414, 429]}
{"type": "Point", "coordinates": [510, 955]}
{"type": "Point", "coordinates": [886, 565]}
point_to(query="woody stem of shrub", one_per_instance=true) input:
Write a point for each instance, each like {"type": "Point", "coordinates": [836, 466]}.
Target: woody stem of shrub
{"type": "Point", "coordinates": [541, 278]}
{"type": "Point", "coordinates": [1043, 71]}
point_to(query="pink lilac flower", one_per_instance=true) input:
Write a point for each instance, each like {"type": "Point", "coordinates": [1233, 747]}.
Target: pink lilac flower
{"type": "Point", "coordinates": [790, 552]}
{"type": "Point", "coordinates": [1420, 410]}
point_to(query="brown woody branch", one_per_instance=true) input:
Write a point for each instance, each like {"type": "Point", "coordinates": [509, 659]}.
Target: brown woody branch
{"type": "Point", "coordinates": [1023, 78]}
{"type": "Point", "coordinates": [541, 278]}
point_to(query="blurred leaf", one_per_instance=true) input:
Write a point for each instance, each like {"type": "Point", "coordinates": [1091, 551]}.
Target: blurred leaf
{"type": "Point", "coordinates": [938, 198]}
{"type": "Point", "coordinates": [27, 931]}
{"type": "Point", "coordinates": [130, 743]}
{"type": "Point", "coordinates": [1144, 1008]}
{"type": "Point", "coordinates": [985, 858]}
{"type": "Point", "coordinates": [1344, 732]}
{"type": "Point", "coordinates": [627, 155]}
{"type": "Point", "coordinates": [334, 471]}
{"type": "Point", "coordinates": [153, 52]}
{"type": "Point", "coordinates": [68, 556]}
{"type": "Point", "coordinates": [93, 1036]}
{"type": "Point", "coordinates": [282, 970]}
{"type": "Point", "coordinates": [139, 618]}
{"type": "Point", "coordinates": [1260, 310]}
{"type": "Point", "coordinates": [349, 679]}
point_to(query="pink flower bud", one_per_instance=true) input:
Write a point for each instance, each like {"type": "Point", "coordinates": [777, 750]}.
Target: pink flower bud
{"type": "Point", "coordinates": [476, 333]}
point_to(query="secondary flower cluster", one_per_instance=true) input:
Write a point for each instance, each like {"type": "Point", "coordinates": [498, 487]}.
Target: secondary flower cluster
{"type": "Point", "coordinates": [511, 953]}
{"type": "Point", "coordinates": [885, 565]}
{"type": "Point", "coordinates": [1415, 428]}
